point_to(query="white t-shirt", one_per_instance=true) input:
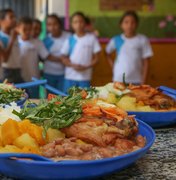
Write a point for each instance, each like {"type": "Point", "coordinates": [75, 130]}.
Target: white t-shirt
{"type": "Point", "coordinates": [30, 51]}
{"type": "Point", "coordinates": [55, 68]}
{"type": "Point", "coordinates": [82, 53]}
{"type": "Point", "coordinates": [14, 60]}
{"type": "Point", "coordinates": [130, 55]}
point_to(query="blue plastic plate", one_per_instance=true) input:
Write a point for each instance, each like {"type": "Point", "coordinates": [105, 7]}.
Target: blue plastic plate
{"type": "Point", "coordinates": [22, 100]}
{"type": "Point", "coordinates": [28, 169]}
{"type": "Point", "coordinates": [156, 119]}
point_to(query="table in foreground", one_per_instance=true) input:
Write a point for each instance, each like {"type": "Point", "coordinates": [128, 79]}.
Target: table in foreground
{"type": "Point", "coordinates": [158, 163]}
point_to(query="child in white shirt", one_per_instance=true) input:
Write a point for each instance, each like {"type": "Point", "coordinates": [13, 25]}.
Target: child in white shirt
{"type": "Point", "coordinates": [11, 54]}
{"type": "Point", "coordinates": [133, 52]}
{"type": "Point", "coordinates": [54, 71]}
{"type": "Point", "coordinates": [80, 54]}
{"type": "Point", "coordinates": [31, 50]}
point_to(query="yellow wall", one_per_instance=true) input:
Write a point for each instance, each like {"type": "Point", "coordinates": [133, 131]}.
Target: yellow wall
{"type": "Point", "coordinates": [162, 70]}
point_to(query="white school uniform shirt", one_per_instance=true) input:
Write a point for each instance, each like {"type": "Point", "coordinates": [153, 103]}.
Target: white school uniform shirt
{"type": "Point", "coordinates": [14, 60]}
{"type": "Point", "coordinates": [54, 46]}
{"type": "Point", "coordinates": [130, 55]}
{"type": "Point", "coordinates": [80, 51]}
{"type": "Point", "coordinates": [30, 51]}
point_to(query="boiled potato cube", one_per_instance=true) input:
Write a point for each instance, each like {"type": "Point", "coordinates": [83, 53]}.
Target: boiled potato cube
{"type": "Point", "coordinates": [145, 108]}
{"type": "Point", "coordinates": [127, 103]}
{"type": "Point", "coordinates": [111, 98]}
{"type": "Point", "coordinates": [9, 132]}
{"type": "Point", "coordinates": [25, 140]}
{"type": "Point", "coordinates": [53, 134]}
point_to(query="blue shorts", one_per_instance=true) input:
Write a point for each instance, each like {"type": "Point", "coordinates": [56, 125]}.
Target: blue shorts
{"type": "Point", "coordinates": [56, 81]}
{"type": "Point", "coordinates": [70, 83]}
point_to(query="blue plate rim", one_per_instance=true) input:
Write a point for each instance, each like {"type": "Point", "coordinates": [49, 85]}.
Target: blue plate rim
{"type": "Point", "coordinates": [153, 112]}
{"type": "Point", "coordinates": [23, 98]}
{"type": "Point", "coordinates": [78, 162]}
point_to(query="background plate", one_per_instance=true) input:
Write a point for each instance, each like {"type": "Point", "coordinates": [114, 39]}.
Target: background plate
{"type": "Point", "coordinates": [156, 119]}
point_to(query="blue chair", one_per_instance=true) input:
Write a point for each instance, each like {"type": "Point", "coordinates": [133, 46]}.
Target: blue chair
{"type": "Point", "coordinates": [40, 82]}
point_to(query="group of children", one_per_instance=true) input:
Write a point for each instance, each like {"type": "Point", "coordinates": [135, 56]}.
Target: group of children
{"type": "Point", "coordinates": [68, 57]}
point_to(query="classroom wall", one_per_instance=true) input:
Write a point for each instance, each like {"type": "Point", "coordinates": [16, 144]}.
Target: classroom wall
{"type": "Point", "coordinates": [162, 70]}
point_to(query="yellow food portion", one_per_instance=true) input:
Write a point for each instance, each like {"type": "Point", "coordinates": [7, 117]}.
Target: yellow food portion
{"type": "Point", "coordinates": [112, 98]}
{"type": "Point", "coordinates": [129, 104]}
{"type": "Point", "coordinates": [53, 134]}
{"type": "Point", "coordinates": [25, 137]}
{"type": "Point", "coordinates": [25, 140]}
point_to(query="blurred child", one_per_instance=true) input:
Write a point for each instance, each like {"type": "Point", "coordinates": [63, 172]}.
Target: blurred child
{"type": "Point", "coordinates": [36, 28]}
{"type": "Point", "coordinates": [54, 72]}
{"type": "Point", "coordinates": [80, 54]}
{"type": "Point", "coordinates": [90, 28]}
{"type": "Point", "coordinates": [133, 51]}
{"type": "Point", "coordinates": [11, 53]}
{"type": "Point", "coordinates": [35, 33]}
{"type": "Point", "coordinates": [31, 50]}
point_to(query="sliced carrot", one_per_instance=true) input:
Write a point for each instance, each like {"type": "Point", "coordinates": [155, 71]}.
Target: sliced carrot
{"type": "Point", "coordinates": [92, 111]}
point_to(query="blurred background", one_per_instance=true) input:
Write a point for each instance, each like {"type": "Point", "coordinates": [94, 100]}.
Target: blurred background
{"type": "Point", "coordinates": [157, 21]}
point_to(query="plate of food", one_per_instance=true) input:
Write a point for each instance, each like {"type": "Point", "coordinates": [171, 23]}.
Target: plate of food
{"type": "Point", "coordinates": [155, 106]}
{"type": "Point", "coordinates": [9, 94]}
{"type": "Point", "coordinates": [73, 137]}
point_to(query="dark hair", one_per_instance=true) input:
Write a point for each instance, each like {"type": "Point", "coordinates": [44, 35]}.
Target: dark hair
{"type": "Point", "coordinates": [37, 21]}
{"type": "Point", "coordinates": [88, 21]}
{"type": "Point", "coordinates": [79, 14]}
{"type": "Point", "coordinates": [4, 12]}
{"type": "Point", "coordinates": [25, 20]}
{"type": "Point", "coordinates": [55, 17]}
{"type": "Point", "coordinates": [130, 13]}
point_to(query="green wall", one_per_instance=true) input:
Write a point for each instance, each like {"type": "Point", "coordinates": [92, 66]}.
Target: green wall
{"type": "Point", "coordinates": [107, 22]}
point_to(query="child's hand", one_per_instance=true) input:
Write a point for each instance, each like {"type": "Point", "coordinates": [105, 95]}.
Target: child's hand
{"type": "Point", "coordinates": [80, 67]}
{"type": "Point", "coordinates": [14, 35]}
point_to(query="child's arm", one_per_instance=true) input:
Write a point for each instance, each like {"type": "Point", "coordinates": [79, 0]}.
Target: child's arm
{"type": "Point", "coordinates": [54, 58]}
{"type": "Point", "coordinates": [94, 61]}
{"type": "Point", "coordinates": [110, 60]}
{"type": "Point", "coordinates": [147, 53]}
{"type": "Point", "coordinates": [145, 70]}
{"type": "Point", "coordinates": [66, 61]}
{"type": "Point", "coordinates": [44, 54]}
{"type": "Point", "coordinates": [110, 48]}
{"type": "Point", "coordinates": [6, 52]}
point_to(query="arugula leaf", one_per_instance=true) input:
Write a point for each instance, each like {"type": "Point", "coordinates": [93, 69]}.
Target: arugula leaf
{"type": "Point", "coordinates": [9, 95]}
{"type": "Point", "coordinates": [58, 113]}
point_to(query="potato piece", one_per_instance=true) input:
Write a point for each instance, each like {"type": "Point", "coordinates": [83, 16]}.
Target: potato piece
{"type": "Point", "coordinates": [9, 132]}
{"type": "Point", "coordinates": [145, 108]}
{"type": "Point", "coordinates": [10, 149]}
{"type": "Point", "coordinates": [53, 134]}
{"type": "Point", "coordinates": [111, 98]}
{"type": "Point", "coordinates": [25, 140]}
{"type": "Point", "coordinates": [33, 130]}
{"type": "Point", "coordinates": [127, 103]}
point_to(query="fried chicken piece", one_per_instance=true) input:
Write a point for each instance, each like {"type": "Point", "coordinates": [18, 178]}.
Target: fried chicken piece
{"type": "Point", "coordinates": [152, 97]}
{"type": "Point", "coordinates": [102, 134]}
